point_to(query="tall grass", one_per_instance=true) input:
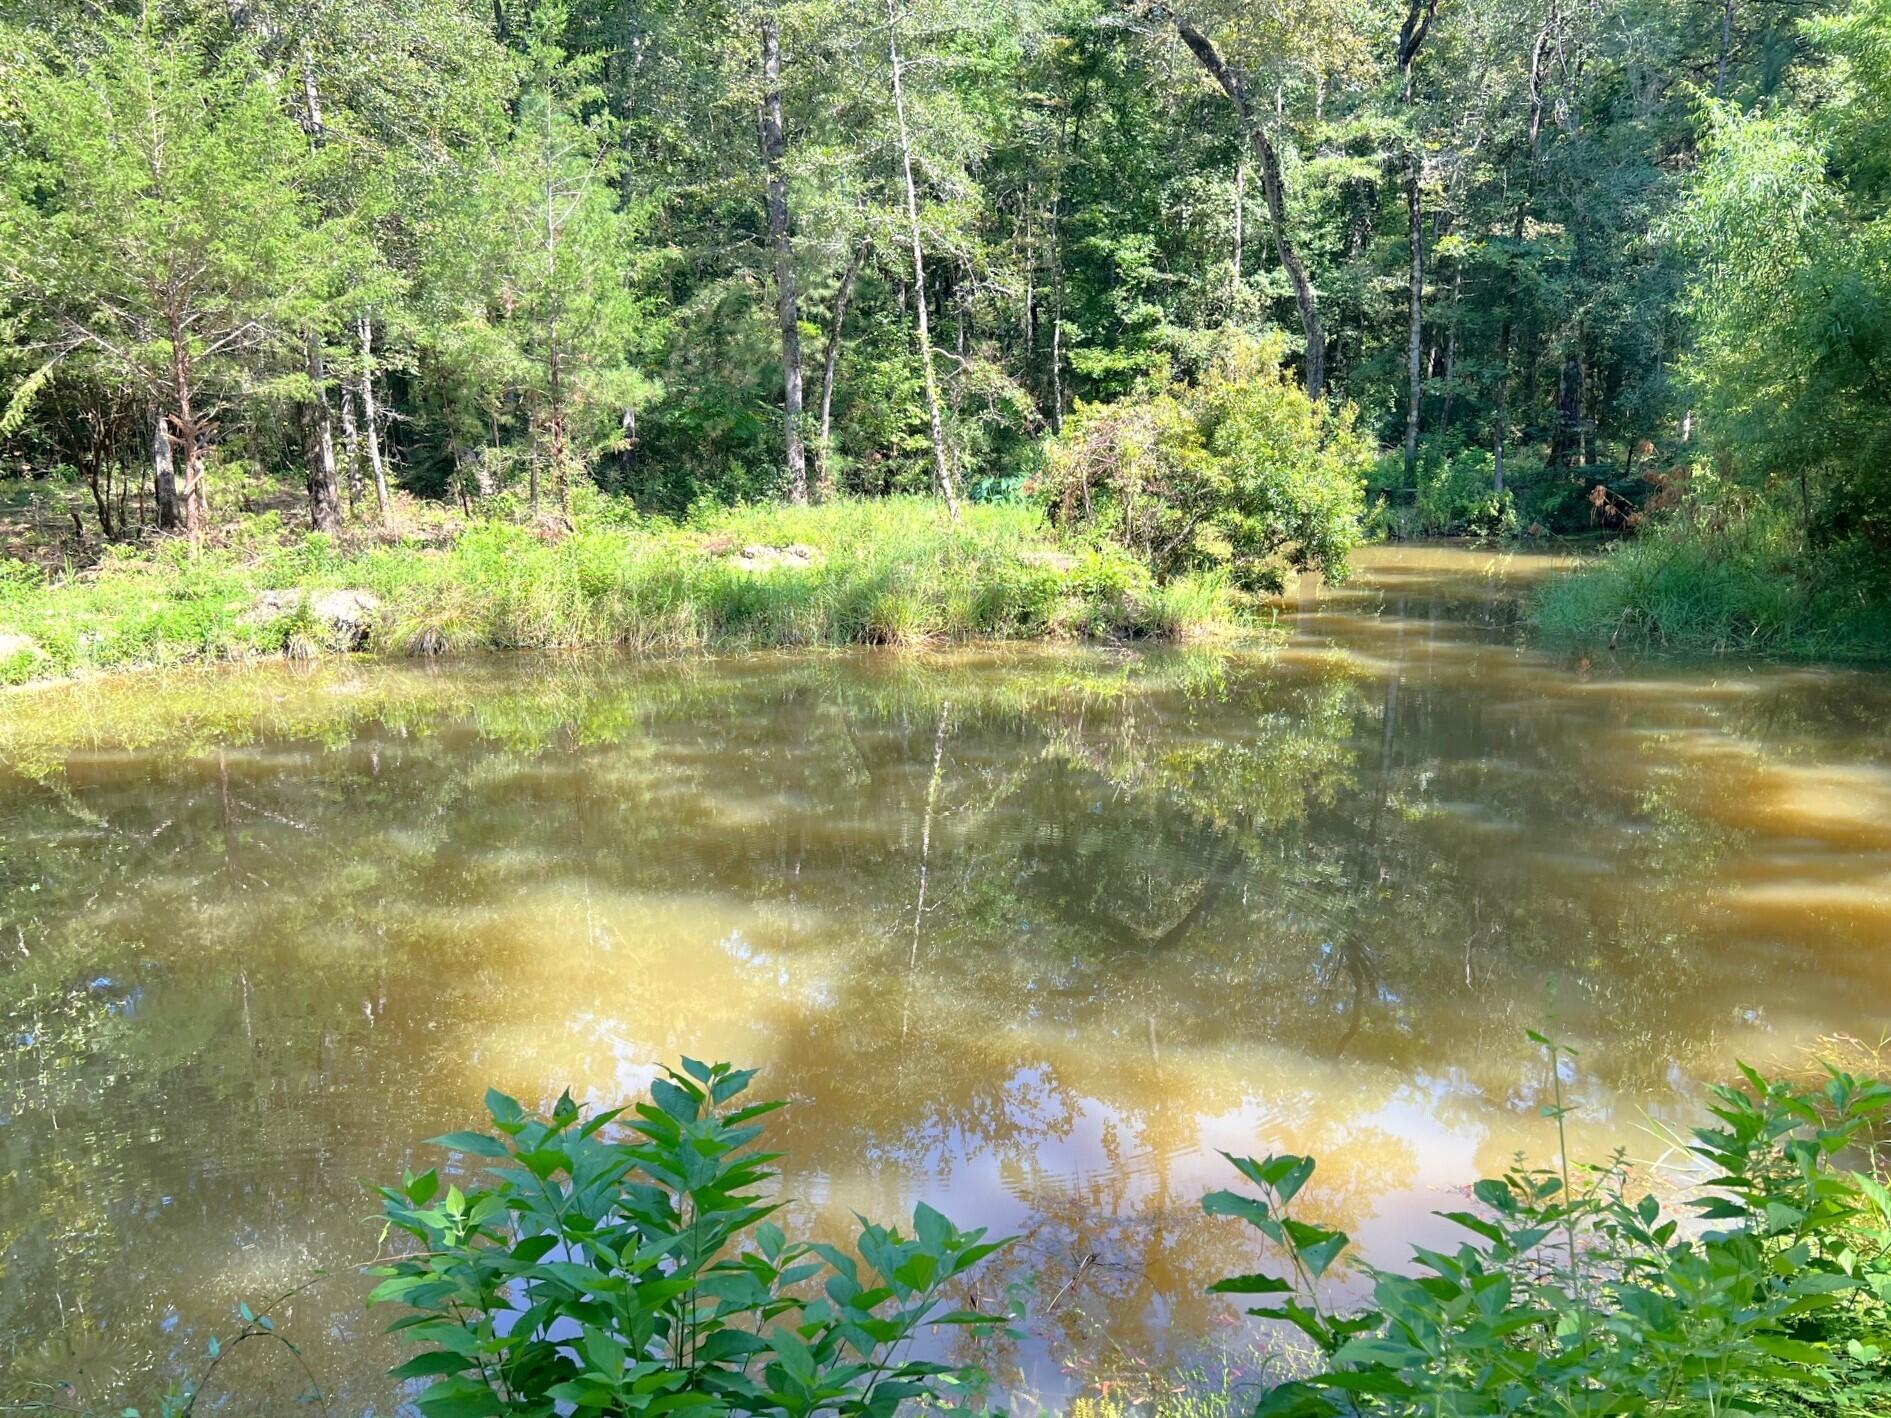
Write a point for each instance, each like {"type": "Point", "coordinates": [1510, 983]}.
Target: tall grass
{"type": "Point", "coordinates": [1742, 583]}
{"type": "Point", "coordinates": [894, 571]}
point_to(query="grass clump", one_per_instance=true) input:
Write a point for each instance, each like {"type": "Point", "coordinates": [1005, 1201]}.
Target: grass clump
{"type": "Point", "coordinates": [1743, 581]}
{"type": "Point", "coordinates": [894, 571]}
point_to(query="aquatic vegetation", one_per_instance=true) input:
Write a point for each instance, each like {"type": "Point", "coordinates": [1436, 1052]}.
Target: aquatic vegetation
{"type": "Point", "coordinates": [1735, 582]}
{"type": "Point", "coordinates": [626, 1262]}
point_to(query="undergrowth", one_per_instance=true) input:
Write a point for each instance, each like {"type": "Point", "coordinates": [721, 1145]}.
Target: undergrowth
{"type": "Point", "coordinates": [1571, 1295]}
{"type": "Point", "coordinates": [894, 571]}
{"type": "Point", "coordinates": [1740, 581]}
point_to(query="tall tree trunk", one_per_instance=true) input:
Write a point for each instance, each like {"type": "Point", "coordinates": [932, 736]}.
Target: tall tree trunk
{"type": "Point", "coordinates": [350, 449]}
{"type": "Point", "coordinates": [1028, 263]}
{"type": "Point", "coordinates": [163, 476]}
{"type": "Point", "coordinates": [319, 435]}
{"type": "Point", "coordinates": [1501, 431]}
{"type": "Point", "coordinates": [186, 435]}
{"type": "Point", "coordinates": [942, 467]}
{"type": "Point", "coordinates": [98, 459]}
{"type": "Point", "coordinates": [1415, 321]}
{"type": "Point", "coordinates": [830, 365]}
{"type": "Point", "coordinates": [1057, 334]}
{"type": "Point", "coordinates": [1234, 254]}
{"type": "Point", "coordinates": [1064, 144]}
{"type": "Point", "coordinates": [1418, 17]}
{"type": "Point", "coordinates": [1451, 350]}
{"type": "Point", "coordinates": [1568, 410]}
{"type": "Point", "coordinates": [555, 428]}
{"type": "Point", "coordinates": [1726, 47]}
{"type": "Point", "coordinates": [318, 418]}
{"type": "Point", "coordinates": [773, 145]}
{"type": "Point", "coordinates": [1268, 162]}
{"type": "Point", "coordinates": [627, 451]}
{"type": "Point", "coordinates": [370, 417]}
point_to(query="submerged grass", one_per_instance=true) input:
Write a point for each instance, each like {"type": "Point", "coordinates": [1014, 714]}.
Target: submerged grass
{"type": "Point", "coordinates": [1744, 585]}
{"type": "Point", "coordinates": [893, 571]}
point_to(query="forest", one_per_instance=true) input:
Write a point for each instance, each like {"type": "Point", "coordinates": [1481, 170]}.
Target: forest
{"type": "Point", "coordinates": [1247, 645]}
{"type": "Point", "coordinates": [1539, 269]}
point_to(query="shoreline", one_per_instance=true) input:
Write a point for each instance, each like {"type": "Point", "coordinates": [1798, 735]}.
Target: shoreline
{"type": "Point", "coordinates": [895, 572]}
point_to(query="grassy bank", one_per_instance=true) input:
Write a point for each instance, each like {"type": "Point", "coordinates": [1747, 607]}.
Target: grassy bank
{"type": "Point", "coordinates": [893, 571]}
{"type": "Point", "coordinates": [1740, 585]}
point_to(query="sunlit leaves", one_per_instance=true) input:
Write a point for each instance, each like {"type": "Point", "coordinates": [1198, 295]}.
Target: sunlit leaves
{"type": "Point", "coordinates": [652, 1239]}
{"type": "Point", "coordinates": [1571, 1298]}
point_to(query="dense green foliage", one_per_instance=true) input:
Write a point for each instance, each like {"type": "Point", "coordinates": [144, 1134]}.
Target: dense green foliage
{"type": "Point", "coordinates": [1779, 544]}
{"type": "Point", "coordinates": [1553, 259]}
{"type": "Point", "coordinates": [638, 1272]}
{"type": "Point", "coordinates": [1730, 574]}
{"type": "Point", "coordinates": [1238, 470]}
{"type": "Point", "coordinates": [1574, 1297]}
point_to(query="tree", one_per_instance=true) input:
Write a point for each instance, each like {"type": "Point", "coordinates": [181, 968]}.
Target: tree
{"type": "Point", "coordinates": [1267, 159]}
{"type": "Point", "coordinates": [1418, 17]}
{"type": "Point", "coordinates": [532, 268]}
{"type": "Point", "coordinates": [159, 212]}
{"type": "Point", "coordinates": [787, 309]}
{"type": "Point", "coordinates": [942, 463]}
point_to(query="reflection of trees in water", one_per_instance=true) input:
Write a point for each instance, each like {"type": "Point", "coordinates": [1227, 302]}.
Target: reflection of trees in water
{"type": "Point", "coordinates": [248, 957]}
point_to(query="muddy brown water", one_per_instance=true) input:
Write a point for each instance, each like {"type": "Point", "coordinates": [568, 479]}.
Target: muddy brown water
{"type": "Point", "coordinates": [263, 930]}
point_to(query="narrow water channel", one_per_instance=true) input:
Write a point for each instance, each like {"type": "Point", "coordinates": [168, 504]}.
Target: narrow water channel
{"type": "Point", "coordinates": [263, 930]}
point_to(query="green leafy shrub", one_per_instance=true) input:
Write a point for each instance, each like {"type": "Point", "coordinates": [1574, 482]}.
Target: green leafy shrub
{"type": "Point", "coordinates": [1237, 470]}
{"type": "Point", "coordinates": [626, 1263]}
{"type": "Point", "coordinates": [1572, 1298]}
{"type": "Point", "coordinates": [1456, 497]}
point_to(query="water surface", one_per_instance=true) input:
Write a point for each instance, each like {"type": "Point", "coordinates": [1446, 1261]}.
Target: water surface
{"type": "Point", "coordinates": [263, 929]}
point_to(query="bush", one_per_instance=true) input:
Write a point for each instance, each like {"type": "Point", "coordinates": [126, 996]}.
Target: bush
{"type": "Point", "coordinates": [1239, 470]}
{"type": "Point", "coordinates": [1572, 1298]}
{"type": "Point", "coordinates": [620, 1268]}
{"type": "Point", "coordinates": [1456, 497]}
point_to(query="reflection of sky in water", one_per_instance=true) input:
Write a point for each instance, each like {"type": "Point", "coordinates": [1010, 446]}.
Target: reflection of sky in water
{"type": "Point", "coordinates": [275, 927]}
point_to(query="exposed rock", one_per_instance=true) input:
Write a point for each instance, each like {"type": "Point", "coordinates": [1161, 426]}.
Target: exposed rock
{"type": "Point", "coordinates": [11, 645]}
{"type": "Point", "coordinates": [347, 616]}
{"type": "Point", "coordinates": [758, 557]}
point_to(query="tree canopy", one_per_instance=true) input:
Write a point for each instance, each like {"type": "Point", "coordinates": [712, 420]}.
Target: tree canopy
{"type": "Point", "coordinates": [1553, 253]}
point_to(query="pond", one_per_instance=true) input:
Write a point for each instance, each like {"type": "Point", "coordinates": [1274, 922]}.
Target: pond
{"type": "Point", "coordinates": [1029, 933]}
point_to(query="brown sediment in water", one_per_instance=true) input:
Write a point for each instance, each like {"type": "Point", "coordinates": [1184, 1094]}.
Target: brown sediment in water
{"type": "Point", "coordinates": [268, 927]}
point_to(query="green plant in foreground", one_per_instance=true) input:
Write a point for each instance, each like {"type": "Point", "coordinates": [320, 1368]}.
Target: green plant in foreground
{"type": "Point", "coordinates": [1571, 1298]}
{"type": "Point", "coordinates": [631, 1268]}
